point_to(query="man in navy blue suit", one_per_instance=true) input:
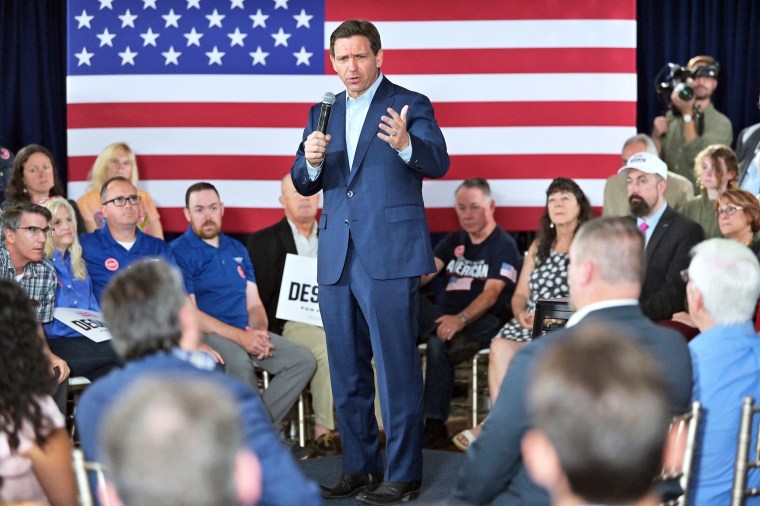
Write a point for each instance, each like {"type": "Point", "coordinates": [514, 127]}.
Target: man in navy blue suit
{"type": "Point", "coordinates": [374, 245]}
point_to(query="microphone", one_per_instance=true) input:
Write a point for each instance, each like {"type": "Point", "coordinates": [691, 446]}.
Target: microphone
{"type": "Point", "coordinates": [328, 99]}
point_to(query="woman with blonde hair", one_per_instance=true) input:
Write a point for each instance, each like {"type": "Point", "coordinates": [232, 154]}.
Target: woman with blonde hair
{"type": "Point", "coordinates": [84, 356]}
{"type": "Point", "coordinates": [716, 169]}
{"type": "Point", "coordinates": [117, 159]}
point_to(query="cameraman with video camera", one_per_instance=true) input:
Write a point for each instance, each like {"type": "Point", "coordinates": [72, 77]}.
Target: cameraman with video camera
{"type": "Point", "coordinates": [692, 123]}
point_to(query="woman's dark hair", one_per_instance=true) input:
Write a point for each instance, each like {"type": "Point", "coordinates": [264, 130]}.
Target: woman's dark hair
{"type": "Point", "coordinates": [16, 189]}
{"type": "Point", "coordinates": [547, 234]}
{"type": "Point", "coordinates": [25, 375]}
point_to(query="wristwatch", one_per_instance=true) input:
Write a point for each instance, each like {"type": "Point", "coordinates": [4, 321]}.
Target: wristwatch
{"type": "Point", "coordinates": [463, 317]}
{"type": "Point", "coordinates": [687, 118]}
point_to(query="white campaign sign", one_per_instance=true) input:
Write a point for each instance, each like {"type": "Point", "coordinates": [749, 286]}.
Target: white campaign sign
{"type": "Point", "coordinates": [299, 292]}
{"type": "Point", "coordinates": [88, 323]}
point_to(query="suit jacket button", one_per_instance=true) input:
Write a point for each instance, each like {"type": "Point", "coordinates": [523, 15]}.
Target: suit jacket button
{"type": "Point", "coordinates": [346, 222]}
{"type": "Point", "coordinates": [349, 194]}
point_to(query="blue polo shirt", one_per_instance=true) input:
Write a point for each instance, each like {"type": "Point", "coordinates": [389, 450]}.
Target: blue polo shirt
{"type": "Point", "coordinates": [105, 257]}
{"type": "Point", "coordinates": [216, 276]}
{"type": "Point", "coordinates": [71, 292]}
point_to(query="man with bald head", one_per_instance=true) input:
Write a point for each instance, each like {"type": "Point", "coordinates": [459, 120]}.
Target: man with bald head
{"type": "Point", "coordinates": [296, 233]}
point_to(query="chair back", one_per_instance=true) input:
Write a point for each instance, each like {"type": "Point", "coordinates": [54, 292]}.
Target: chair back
{"type": "Point", "coordinates": [739, 491]}
{"type": "Point", "coordinates": [81, 469]}
{"type": "Point", "coordinates": [684, 429]}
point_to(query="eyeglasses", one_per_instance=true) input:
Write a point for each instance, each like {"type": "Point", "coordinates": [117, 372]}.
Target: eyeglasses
{"type": "Point", "coordinates": [47, 231]}
{"type": "Point", "coordinates": [728, 211]}
{"type": "Point", "coordinates": [685, 275]}
{"type": "Point", "coordinates": [122, 201]}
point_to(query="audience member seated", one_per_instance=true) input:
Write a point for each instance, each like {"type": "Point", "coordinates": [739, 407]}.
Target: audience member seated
{"type": "Point", "coordinates": [296, 234]}
{"type": "Point", "coordinates": [34, 179]}
{"type": "Point", "coordinates": [481, 262]}
{"type": "Point", "coordinates": [120, 242]}
{"type": "Point", "coordinates": [723, 289]}
{"type": "Point", "coordinates": [6, 169]}
{"type": "Point", "coordinates": [144, 445]}
{"type": "Point", "coordinates": [35, 451]}
{"type": "Point", "coordinates": [84, 356]}
{"type": "Point", "coordinates": [692, 125]}
{"type": "Point", "coordinates": [155, 331]}
{"type": "Point", "coordinates": [739, 218]}
{"type": "Point", "coordinates": [748, 153]}
{"type": "Point", "coordinates": [715, 169]}
{"type": "Point", "coordinates": [25, 228]}
{"type": "Point", "coordinates": [605, 272]}
{"type": "Point", "coordinates": [117, 160]}
{"type": "Point", "coordinates": [600, 410]}
{"type": "Point", "coordinates": [668, 236]}
{"type": "Point", "coordinates": [679, 188]}
{"type": "Point", "coordinates": [543, 276]}
{"type": "Point", "coordinates": [220, 280]}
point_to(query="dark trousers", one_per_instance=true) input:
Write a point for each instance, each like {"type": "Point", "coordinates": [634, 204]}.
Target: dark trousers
{"type": "Point", "coordinates": [366, 317]}
{"type": "Point", "coordinates": [85, 358]}
{"type": "Point", "coordinates": [439, 372]}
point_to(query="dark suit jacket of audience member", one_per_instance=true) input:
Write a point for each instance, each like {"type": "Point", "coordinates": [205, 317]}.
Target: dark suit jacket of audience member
{"type": "Point", "coordinates": [493, 472]}
{"type": "Point", "coordinates": [747, 143]}
{"type": "Point", "coordinates": [667, 254]}
{"type": "Point", "coordinates": [268, 248]}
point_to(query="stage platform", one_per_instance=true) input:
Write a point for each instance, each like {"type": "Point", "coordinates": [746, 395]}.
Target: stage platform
{"type": "Point", "coordinates": [439, 473]}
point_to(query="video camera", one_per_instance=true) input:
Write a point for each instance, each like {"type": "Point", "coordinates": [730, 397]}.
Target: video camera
{"type": "Point", "coordinates": [672, 77]}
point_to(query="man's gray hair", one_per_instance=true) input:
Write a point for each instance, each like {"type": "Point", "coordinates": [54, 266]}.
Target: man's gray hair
{"type": "Point", "coordinates": [643, 139]}
{"type": "Point", "coordinates": [173, 441]}
{"type": "Point", "coordinates": [615, 246]}
{"type": "Point", "coordinates": [476, 182]}
{"type": "Point", "coordinates": [141, 307]}
{"type": "Point", "coordinates": [727, 274]}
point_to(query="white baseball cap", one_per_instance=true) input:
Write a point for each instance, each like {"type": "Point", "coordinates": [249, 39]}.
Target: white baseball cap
{"type": "Point", "coordinates": [646, 162]}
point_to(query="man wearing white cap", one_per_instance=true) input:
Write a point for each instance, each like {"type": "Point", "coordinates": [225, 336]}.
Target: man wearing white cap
{"type": "Point", "coordinates": [668, 236]}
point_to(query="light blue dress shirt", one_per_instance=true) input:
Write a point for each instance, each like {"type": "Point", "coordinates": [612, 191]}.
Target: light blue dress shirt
{"type": "Point", "coordinates": [356, 113]}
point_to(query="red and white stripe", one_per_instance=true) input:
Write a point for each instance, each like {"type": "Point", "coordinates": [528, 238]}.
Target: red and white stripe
{"type": "Point", "coordinates": [523, 91]}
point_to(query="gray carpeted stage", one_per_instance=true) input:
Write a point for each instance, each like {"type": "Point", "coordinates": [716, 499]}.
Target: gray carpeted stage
{"type": "Point", "coordinates": [439, 473]}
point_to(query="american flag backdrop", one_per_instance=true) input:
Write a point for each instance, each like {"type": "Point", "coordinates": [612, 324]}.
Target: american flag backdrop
{"type": "Point", "coordinates": [218, 90]}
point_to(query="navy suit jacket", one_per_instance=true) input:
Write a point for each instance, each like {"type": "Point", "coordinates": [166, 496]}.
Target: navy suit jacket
{"type": "Point", "coordinates": [378, 201]}
{"type": "Point", "coordinates": [494, 471]}
{"type": "Point", "coordinates": [667, 254]}
{"type": "Point", "coordinates": [747, 144]}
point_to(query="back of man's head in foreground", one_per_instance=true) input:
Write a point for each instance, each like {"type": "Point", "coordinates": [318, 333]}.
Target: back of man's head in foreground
{"type": "Point", "coordinates": [601, 414]}
{"type": "Point", "coordinates": [178, 441]}
{"type": "Point", "coordinates": [141, 306]}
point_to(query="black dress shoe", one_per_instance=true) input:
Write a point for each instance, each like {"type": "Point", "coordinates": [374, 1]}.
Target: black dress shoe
{"type": "Point", "coordinates": [350, 484]}
{"type": "Point", "coordinates": [390, 492]}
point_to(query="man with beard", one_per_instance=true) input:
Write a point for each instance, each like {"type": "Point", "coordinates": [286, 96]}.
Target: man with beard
{"type": "Point", "coordinates": [694, 124]}
{"type": "Point", "coordinates": [668, 236]}
{"type": "Point", "coordinates": [220, 280]}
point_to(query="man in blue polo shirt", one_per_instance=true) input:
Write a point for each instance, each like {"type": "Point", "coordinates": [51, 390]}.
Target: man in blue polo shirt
{"type": "Point", "coordinates": [120, 242]}
{"type": "Point", "coordinates": [220, 280]}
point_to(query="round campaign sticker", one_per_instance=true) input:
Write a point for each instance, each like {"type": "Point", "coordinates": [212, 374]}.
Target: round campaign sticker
{"type": "Point", "coordinates": [112, 264]}
{"type": "Point", "coordinates": [459, 251]}
{"type": "Point", "coordinates": [241, 271]}
{"type": "Point", "coordinates": [4, 153]}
